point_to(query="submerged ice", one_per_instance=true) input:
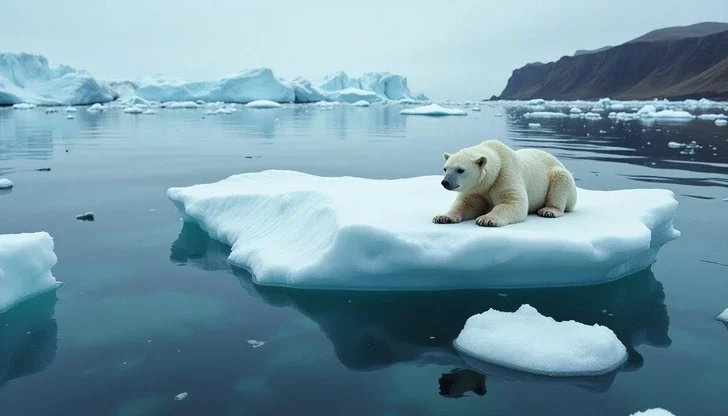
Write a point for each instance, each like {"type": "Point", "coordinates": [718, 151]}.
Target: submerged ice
{"type": "Point", "coordinates": [566, 348]}
{"type": "Point", "coordinates": [25, 267]}
{"type": "Point", "coordinates": [299, 230]}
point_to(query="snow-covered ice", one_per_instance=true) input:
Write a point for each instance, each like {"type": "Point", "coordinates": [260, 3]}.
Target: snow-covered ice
{"type": "Point", "coordinates": [721, 122]}
{"type": "Point", "coordinates": [6, 183]}
{"type": "Point", "coordinates": [26, 78]}
{"type": "Point", "coordinates": [575, 110]}
{"type": "Point", "coordinates": [181, 396]}
{"type": "Point", "coordinates": [723, 316]}
{"type": "Point", "coordinates": [255, 344]}
{"type": "Point", "coordinates": [545, 114]}
{"type": "Point", "coordinates": [299, 230]}
{"type": "Point", "coordinates": [653, 412]}
{"type": "Point", "coordinates": [70, 109]}
{"type": "Point", "coordinates": [711, 116]}
{"type": "Point", "coordinates": [534, 125]}
{"type": "Point", "coordinates": [669, 115]}
{"type": "Point", "coordinates": [150, 111]}
{"type": "Point", "coordinates": [22, 106]}
{"type": "Point", "coordinates": [527, 341]}
{"type": "Point", "coordinates": [433, 110]}
{"type": "Point", "coordinates": [172, 105]}
{"type": "Point", "coordinates": [263, 104]}
{"type": "Point", "coordinates": [134, 110]}
{"type": "Point", "coordinates": [675, 145]}
{"type": "Point", "coordinates": [475, 109]}
{"type": "Point", "coordinates": [25, 267]}
{"type": "Point", "coordinates": [361, 103]}
{"type": "Point", "coordinates": [96, 108]}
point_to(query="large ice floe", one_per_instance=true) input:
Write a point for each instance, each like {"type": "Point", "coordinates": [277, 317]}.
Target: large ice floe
{"type": "Point", "coordinates": [25, 267]}
{"type": "Point", "coordinates": [563, 349]}
{"type": "Point", "coordinates": [653, 412]}
{"type": "Point", "coordinates": [433, 110]}
{"type": "Point", "coordinates": [298, 230]}
{"type": "Point", "coordinates": [26, 78]}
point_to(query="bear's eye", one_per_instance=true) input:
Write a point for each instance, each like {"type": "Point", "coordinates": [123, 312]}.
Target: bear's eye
{"type": "Point", "coordinates": [444, 169]}
{"type": "Point", "coordinates": [461, 170]}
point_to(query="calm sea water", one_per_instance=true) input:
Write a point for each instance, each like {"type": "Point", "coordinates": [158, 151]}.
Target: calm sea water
{"type": "Point", "coordinates": [150, 309]}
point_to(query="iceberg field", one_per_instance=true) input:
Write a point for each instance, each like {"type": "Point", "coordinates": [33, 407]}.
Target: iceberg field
{"type": "Point", "coordinates": [26, 78]}
{"type": "Point", "coordinates": [563, 349]}
{"type": "Point", "coordinates": [298, 230]}
{"type": "Point", "coordinates": [25, 267]}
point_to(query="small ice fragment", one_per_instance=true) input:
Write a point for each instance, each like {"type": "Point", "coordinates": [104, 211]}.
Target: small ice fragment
{"type": "Point", "coordinates": [70, 109]}
{"type": "Point", "coordinates": [23, 106]}
{"type": "Point", "coordinates": [361, 103]}
{"type": "Point", "coordinates": [152, 210]}
{"type": "Point", "coordinates": [133, 110]}
{"type": "Point", "coordinates": [150, 112]}
{"type": "Point", "coordinates": [6, 183]}
{"type": "Point", "coordinates": [475, 109]}
{"type": "Point", "coordinates": [89, 216]}
{"type": "Point", "coordinates": [534, 125]}
{"type": "Point", "coordinates": [675, 145]}
{"type": "Point", "coordinates": [498, 115]}
{"type": "Point", "coordinates": [433, 110]}
{"type": "Point", "coordinates": [653, 412]}
{"type": "Point", "coordinates": [181, 396]}
{"type": "Point", "coordinates": [255, 344]}
{"type": "Point", "coordinates": [604, 311]}
{"type": "Point", "coordinates": [43, 170]}
{"type": "Point", "coordinates": [70, 117]}
{"type": "Point", "coordinates": [503, 295]}
{"type": "Point", "coordinates": [432, 337]}
{"type": "Point", "coordinates": [723, 317]}
{"type": "Point", "coordinates": [263, 104]}
{"type": "Point", "coordinates": [721, 122]}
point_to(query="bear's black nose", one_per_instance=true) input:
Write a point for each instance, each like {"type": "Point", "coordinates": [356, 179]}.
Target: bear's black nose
{"type": "Point", "coordinates": [445, 183]}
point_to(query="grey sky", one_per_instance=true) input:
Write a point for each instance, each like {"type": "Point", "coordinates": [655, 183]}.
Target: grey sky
{"type": "Point", "coordinates": [448, 49]}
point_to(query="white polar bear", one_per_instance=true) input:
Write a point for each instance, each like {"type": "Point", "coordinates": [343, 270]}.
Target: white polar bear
{"type": "Point", "coordinates": [500, 186]}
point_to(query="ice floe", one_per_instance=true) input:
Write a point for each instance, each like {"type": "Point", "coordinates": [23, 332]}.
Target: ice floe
{"type": "Point", "coordinates": [433, 110]}
{"type": "Point", "coordinates": [6, 183]}
{"type": "Point", "coordinates": [563, 349]}
{"type": "Point", "coordinates": [263, 104]}
{"type": "Point", "coordinates": [25, 267]}
{"type": "Point", "coordinates": [299, 230]}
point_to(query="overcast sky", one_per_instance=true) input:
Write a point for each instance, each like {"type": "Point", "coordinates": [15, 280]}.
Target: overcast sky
{"type": "Point", "coordinates": [452, 49]}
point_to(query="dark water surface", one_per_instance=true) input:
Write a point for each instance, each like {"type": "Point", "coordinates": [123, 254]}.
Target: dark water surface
{"type": "Point", "coordinates": [151, 309]}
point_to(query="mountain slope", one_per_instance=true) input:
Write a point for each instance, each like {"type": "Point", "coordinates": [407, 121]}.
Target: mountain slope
{"type": "Point", "coordinates": [682, 32]}
{"type": "Point", "coordinates": [688, 67]}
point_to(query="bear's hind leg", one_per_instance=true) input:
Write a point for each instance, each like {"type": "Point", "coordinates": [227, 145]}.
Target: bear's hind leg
{"type": "Point", "coordinates": [561, 196]}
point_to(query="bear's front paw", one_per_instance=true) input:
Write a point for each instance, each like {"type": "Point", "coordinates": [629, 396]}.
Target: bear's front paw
{"type": "Point", "coordinates": [488, 221]}
{"type": "Point", "coordinates": [550, 212]}
{"type": "Point", "coordinates": [445, 219]}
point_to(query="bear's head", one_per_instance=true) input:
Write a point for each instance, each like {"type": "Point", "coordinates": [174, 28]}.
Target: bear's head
{"type": "Point", "coordinates": [463, 171]}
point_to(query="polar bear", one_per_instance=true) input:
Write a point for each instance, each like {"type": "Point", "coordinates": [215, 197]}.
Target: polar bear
{"type": "Point", "coordinates": [500, 186]}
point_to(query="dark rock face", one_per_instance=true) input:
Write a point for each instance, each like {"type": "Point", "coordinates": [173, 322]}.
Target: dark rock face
{"type": "Point", "coordinates": [687, 67]}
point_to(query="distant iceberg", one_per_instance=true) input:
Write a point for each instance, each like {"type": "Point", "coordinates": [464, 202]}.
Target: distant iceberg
{"type": "Point", "coordinates": [25, 267]}
{"type": "Point", "coordinates": [298, 230]}
{"type": "Point", "coordinates": [26, 78]}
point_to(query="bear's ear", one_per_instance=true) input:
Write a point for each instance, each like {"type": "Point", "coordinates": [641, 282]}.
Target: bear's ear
{"type": "Point", "coordinates": [481, 161]}
{"type": "Point", "coordinates": [446, 155]}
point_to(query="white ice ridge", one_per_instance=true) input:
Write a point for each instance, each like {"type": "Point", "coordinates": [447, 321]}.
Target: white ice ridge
{"type": "Point", "coordinates": [25, 267]}
{"type": "Point", "coordinates": [433, 110]}
{"type": "Point", "coordinates": [299, 230]}
{"type": "Point", "coordinates": [527, 341]}
{"type": "Point", "coordinates": [26, 78]}
{"type": "Point", "coordinates": [653, 412]}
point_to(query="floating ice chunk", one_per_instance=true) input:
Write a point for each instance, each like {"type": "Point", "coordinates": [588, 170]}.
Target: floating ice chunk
{"type": "Point", "coordinates": [675, 145]}
{"type": "Point", "coordinates": [498, 115]}
{"type": "Point", "coordinates": [566, 348]}
{"type": "Point", "coordinates": [23, 106]}
{"type": "Point", "coordinates": [89, 216]}
{"type": "Point", "coordinates": [711, 116]}
{"type": "Point", "coordinates": [255, 344]}
{"type": "Point", "coordinates": [653, 412]}
{"type": "Point", "coordinates": [408, 101]}
{"type": "Point", "coordinates": [70, 116]}
{"type": "Point", "coordinates": [575, 110]}
{"type": "Point", "coordinates": [181, 396]}
{"type": "Point", "coordinates": [545, 114]}
{"type": "Point", "coordinates": [25, 267]}
{"type": "Point", "coordinates": [647, 109]}
{"type": "Point", "coordinates": [626, 116]}
{"type": "Point", "coordinates": [536, 101]}
{"type": "Point", "coordinates": [592, 116]}
{"type": "Point", "coordinates": [6, 183]}
{"type": "Point", "coordinates": [263, 104]}
{"type": "Point", "coordinates": [721, 122]}
{"type": "Point", "coordinates": [475, 109]}
{"type": "Point", "coordinates": [96, 108]}
{"type": "Point", "coordinates": [669, 115]}
{"type": "Point", "coordinates": [150, 111]}
{"type": "Point", "coordinates": [433, 110]}
{"type": "Point", "coordinates": [70, 109]}
{"type": "Point", "coordinates": [724, 315]}
{"type": "Point", "coordinates": [26, 78]}
{"type": "Point", "coordinates": [51, 110]}
{"type": "Point", "coordinates": [534, 125]}
{"type": "Point", "coordinates": [617, 107]}
{"type": "Point", "coordinates": [172, 105]}
{"type": "Point", "coordinates": [133, 110]}
{"type": "Point", "coordinates": [597, 109]}
{"type": "Point", "coordinates": [361, 103]}
{"type": "Point", "coordinates": [298, 230]}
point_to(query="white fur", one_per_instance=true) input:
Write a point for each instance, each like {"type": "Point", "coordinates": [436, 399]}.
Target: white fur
{"type": "Point", "coordinates": [500, 186]}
